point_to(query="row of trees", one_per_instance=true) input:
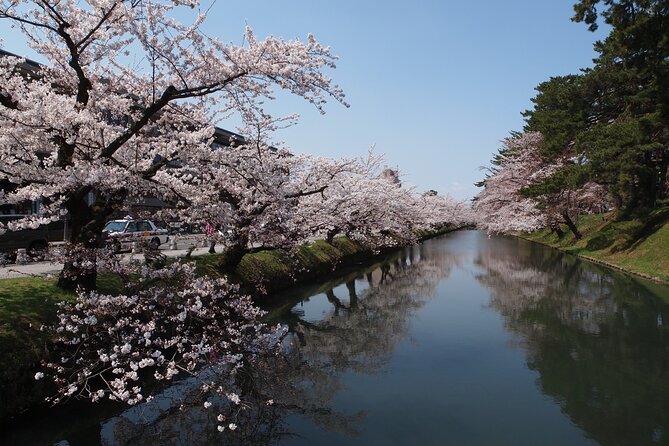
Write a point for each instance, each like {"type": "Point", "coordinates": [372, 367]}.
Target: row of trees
{"type": "Point", "coordinates": [604, 129]}
{"type": "Point", "coordinates": [520, 193]}
{"type": "Point", "coordinates": [96, 122]}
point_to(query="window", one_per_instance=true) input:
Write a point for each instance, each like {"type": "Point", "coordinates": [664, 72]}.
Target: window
{"type": "Point", "coordinates": [144, 226]}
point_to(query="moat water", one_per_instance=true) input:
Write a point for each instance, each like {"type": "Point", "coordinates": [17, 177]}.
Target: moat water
{"type": "Point", "coordinates": [462, 340]}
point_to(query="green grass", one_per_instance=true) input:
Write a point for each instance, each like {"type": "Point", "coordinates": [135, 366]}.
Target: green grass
{"type": "Point", "coordinates": [29, 301]}
{"type": "Point", "coordinates": [347, 246]}
{"type": "Point", "coordinates": [208, 265]}
{"type": "Point", "coordinates": [268, 271]}
{"type": "Point", "coordinates": [636, 243]}
{"type": "Point", "coordinates": [315, 254]}
{"type": "Point", "coordinates": [25, 304]}
{"type": "Point", "coordinates": [264, 268]}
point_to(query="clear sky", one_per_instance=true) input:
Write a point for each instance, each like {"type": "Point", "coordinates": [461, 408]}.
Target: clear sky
{"type": "Point", "coordinates": [435, 85]}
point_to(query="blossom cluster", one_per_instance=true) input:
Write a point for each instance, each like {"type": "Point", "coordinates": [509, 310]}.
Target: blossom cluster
{"type": "Point", "coordinates": [166, 323]}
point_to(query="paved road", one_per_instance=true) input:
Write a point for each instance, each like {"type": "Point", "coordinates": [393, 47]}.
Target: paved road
{"type": "Point", "coordinates": [53, 268]}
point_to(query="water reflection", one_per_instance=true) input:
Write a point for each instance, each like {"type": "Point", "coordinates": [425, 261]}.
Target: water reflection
{"type": "Point", "coordinates": [402, 352]}
{"type": "Point", "coordinates": [270, 388]}
{"type": "Point", "coordinates": [360, 322]}
{"type": "Point", "coordinates": [598, 339]}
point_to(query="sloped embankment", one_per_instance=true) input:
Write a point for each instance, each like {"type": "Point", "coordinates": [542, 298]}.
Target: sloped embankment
{"type": "Point", "coordinates": [637, 244]}
{"type": "Point", "coordinates": [269, 271]}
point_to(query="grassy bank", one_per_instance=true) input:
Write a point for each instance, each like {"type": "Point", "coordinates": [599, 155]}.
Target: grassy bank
{"type": "Point", "coordinates": [635, 244]}
{"type": "Point", "coordinates": [266, 272]}
{"type": "Point", "coordinates": [25, 304]}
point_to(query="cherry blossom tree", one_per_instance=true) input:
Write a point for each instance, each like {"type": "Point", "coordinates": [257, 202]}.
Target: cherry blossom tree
{"type": "Point", "coordinates": [526, 191]}
{"type": "Point", "coordinates": [96, 127]}
{"type": "Point", "coordinates": [164, 323]}
{"type": "Point", "coordinates": [361, 203]}
{"type": "Point", "coordinates": [256, 187]}
{"type": "Point", "coordinates": [436, 211]}
{"type": "Point", "coordinates": [366, 201]}
{"type": "Point", "coordinates": [500, 207]}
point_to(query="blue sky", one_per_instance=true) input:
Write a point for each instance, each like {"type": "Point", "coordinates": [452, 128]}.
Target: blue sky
{"type": "Point", "coordinates": [435, 85]}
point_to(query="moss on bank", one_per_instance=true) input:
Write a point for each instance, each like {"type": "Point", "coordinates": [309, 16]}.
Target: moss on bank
{"type": "Point", "coordinates": [635, 244]}
{"type": "Point", "coordinates": [269, 271]}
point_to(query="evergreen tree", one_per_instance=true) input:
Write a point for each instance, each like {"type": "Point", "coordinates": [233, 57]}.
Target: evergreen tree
{"type": "Point", "coordinates": [628, 140]}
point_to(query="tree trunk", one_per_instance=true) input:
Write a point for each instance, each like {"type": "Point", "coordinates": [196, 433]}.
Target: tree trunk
{"type": "Point", "coordinates": [233, 256]}
{"type": "Point", "coordinates": [235, 253]}
{"type": "Point", "coordinates": [663, 181]}
{"type": "Point", "coordinates": [334, 300]}
{"type": "Point", "coordinates": [352, 295]}
{"type": "Point", "coordinates": [331, 235]}
{"type": "Point", "coordinates": [73, 277]}
{"type": "Point", "coordinates": [572, 226]}
{"type": "Point", "coordinates": [555, 227]}
{"type": "Point", "coordinates": [87, 223]}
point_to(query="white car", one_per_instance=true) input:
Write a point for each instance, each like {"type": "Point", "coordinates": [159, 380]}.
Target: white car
{"type": "Point", "coordinates": [121, 234]}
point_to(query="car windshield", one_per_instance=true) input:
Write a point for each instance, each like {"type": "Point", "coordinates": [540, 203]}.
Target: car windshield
{"type": "Point", "coordinates": [115, 226]}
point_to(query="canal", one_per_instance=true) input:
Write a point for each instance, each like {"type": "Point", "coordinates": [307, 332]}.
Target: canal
{"type": "Point", "coordinates": [462, 340]}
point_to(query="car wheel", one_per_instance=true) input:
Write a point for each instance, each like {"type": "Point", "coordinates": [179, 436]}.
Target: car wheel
{"type": "Point", "coordinates": [154, 244]}
{"type": "Point", "coordinates": [38, 248]}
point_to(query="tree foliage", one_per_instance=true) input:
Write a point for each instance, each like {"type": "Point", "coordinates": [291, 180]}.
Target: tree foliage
{"type": "Point", "coordinates": [629, 138]}
{"type": "Point", "coordinates": [605, 131]}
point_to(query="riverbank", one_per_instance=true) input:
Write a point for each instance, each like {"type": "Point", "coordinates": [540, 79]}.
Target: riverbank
{"type": "Point", "coordinates": [635, 245]}
{"type": "Point", "coordinates": [266, 272]}
{"type": "Point", "coordinates": [27, 303]}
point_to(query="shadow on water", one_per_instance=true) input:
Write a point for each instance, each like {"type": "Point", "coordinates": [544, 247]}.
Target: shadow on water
{"type": "Point", "coordinates": [598, 339]}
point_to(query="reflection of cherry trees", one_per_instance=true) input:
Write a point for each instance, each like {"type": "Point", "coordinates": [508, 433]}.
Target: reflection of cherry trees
{"type": "Point", "coordinates": [598, 340]}
{"type": "Point", "coordinates": [534, 277]}
{"type": "Point", "coordinates": [371, 313]}
{"type": "Point", "coordinates": [368, 315]}
{"type": "Point", "coordinates": [181, 416]}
